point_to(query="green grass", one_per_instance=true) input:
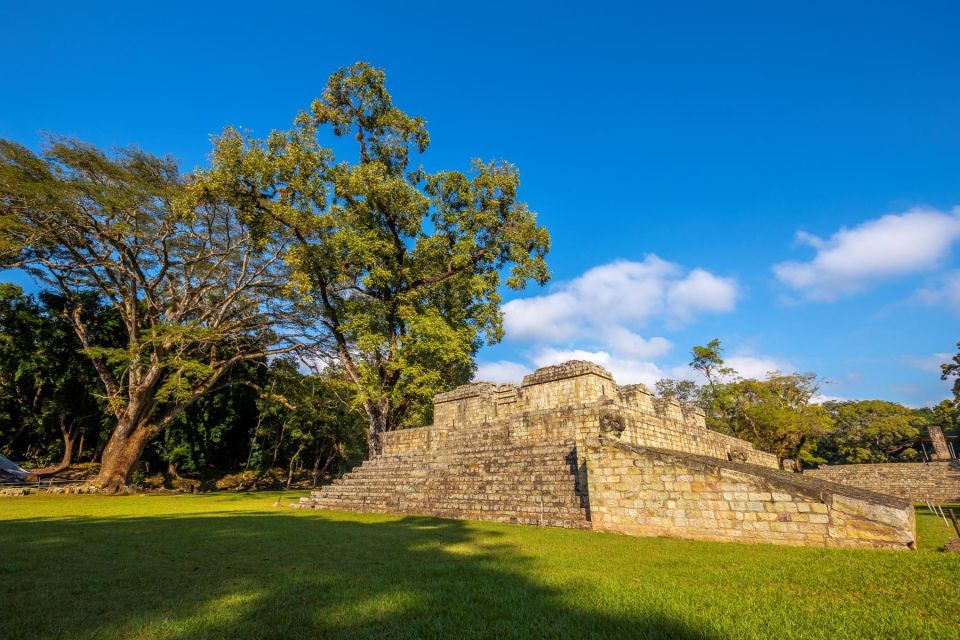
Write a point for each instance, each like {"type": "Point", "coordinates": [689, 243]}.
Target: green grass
{"type": "Point", "coordinates": [234, 566]}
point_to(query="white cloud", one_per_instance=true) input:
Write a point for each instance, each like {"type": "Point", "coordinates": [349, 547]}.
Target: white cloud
{"type": "Point", "coordinates": [751, 366]}
{"type": "Point", "coordinates": [820, 398]}
{"type": "Point", "coordinates": [852, 259]}
{"type": "Point", "coordinates": [624, 370]}
{"type": "Point", "coordinates": [930, 363]}
{"type": "Point", "coordinates": [701, 291]}
{"type": "Point", "coordinates": [501, 372]}
{"type": "Point", "coordinates": [624, 341]}
{"type": "Point", "coordinates": [946, 293]}
{"type": "Point", "coordinates": [610, 301]}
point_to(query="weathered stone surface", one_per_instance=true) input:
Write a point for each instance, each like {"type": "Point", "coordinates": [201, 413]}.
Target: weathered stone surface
{"type": "Point", "coordinates": [709, 498]}
{"type": "Point", "coordinates": [940, 449]}
{"type": "Point", "coordinates": [938, 481]}
{"type": "Point", "coordinates": [570, 448]}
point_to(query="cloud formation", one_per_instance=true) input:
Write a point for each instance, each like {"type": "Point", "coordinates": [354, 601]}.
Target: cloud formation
{"type": "Point", "coordinates": [501, 371]}
{"type": "Point", "coordinates": [598, 315]}
{"type": "Point", "coordinates": [945, 293]}
{"type": "Point", "coordinates": [625, 369]}
{"type": "Point", "coordinates": [853, 259]}
{"type": "Point", "coordinates": [608, 301]}
{"type": "Point", "coordinates": [930, 363]}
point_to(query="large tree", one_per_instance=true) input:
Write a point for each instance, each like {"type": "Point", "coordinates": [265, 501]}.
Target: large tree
{"type": "Point", "coordinates": [197, 282]}
{"type": "Point", "coordinates": [401, 266]}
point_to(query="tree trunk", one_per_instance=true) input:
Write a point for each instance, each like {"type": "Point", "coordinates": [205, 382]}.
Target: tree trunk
{"type": "Point", "coordinates": [276, 449]}
{"type": "Point", "coordinates": [290, 470]}
{"type": "Point", "coordinates": [253, 441]}
{"type": "Point", "coordinates": [69, 435]}
{"type": "Point", "coordinates": [379, 416]}
{"type": "Point", "coordinates": [317, 472]}
{"type": "Point", "coordinates": [375, 437]}
{"type": "Point", "coordinates": [120, 456]}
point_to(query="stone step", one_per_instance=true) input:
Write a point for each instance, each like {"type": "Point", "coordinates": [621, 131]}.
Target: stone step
{"type": "Point", "coordinates": [527, 514]}
{"type": "Point", "coordinates": [474, 475]}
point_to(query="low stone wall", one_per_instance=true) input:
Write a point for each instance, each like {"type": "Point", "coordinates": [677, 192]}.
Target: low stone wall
{"type": "Point", "coordinates": [915, 481]}
{"type": "Point", "coordinates": [646, 491]}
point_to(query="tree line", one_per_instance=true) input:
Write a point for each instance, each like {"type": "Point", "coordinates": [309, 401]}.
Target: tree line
{"type": "Point", "coordinates": [53, 414]}
{"type": "Point", "coordinates": [784, 414]}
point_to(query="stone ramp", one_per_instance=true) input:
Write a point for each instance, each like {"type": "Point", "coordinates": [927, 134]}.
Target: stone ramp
{"type": "Point", "coordinates": [650, 491]}
{"type": "Point", "coordinates": [489, 480]}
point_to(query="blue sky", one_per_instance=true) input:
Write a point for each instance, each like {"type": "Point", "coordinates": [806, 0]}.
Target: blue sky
{"type": "Point", "coordinates": [783, 176]}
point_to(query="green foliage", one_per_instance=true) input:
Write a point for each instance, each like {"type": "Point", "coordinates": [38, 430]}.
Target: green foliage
{"type": "Point", "coordinates": [47, 391]}
{"type": "Point", "coordinates": [708, 360]}
{"type": "Point", "coordinates": [197, 284]}
{"type": "Point", "coordinates": [872, 431]}
{"type": "Point", "coordinates": [780, 414]}
{"type": "Point", "coordinates": [775, 414]}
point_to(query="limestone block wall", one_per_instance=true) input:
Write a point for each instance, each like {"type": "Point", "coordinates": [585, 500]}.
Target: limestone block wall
{"type": "Point", "coordinates": [915, 481]}
{"type": "Point", "coordinates": [414, 440]}
{"type": "Point", "coordinates": [568, 402]}
{"type": "Point", "coordinates": [469, 404]}
{"type": "Point", "coordinates": [655, 492]}
{"type": "Point", "coordinates": [651, 431]}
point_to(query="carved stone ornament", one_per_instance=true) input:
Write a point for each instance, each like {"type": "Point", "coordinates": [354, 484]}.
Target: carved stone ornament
{"type": "Point", "coordinates": [612, 424]}
{"type": "Point", "coordinates": [737, 455]}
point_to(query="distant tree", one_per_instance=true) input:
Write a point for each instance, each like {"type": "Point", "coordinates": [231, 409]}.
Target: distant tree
{"type": "Point", "coordinates": [402, 267]}
{"type": "Point", "coordinates": [197, 282]}
{"type": "Point", "coordinates": [872, 431]}
{"type": "Point", "coordinates": [778, 414]}
{"type": "Point", "coordinates": [715, 397]}
{"type": "Point", "coordinates": [946, 414]}
{"type": "Point", "coordinates": [214, 430]}
{"type": "Point", "coordinates": [686, 392]}
{"type": "Point", "coordinates": [307, 416]}
{"type": "Point", "coordinates": [708, 361]}
{"type": "Point", "coordinates": [952, 370]}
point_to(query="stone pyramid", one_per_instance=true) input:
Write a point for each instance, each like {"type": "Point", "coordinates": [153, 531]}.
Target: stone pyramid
{"type": "Point", "coordinates": [571, 448]}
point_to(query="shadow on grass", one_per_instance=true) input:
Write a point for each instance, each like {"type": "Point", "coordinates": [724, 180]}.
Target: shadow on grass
{"type": "Point", "coordinates": [286, 576]}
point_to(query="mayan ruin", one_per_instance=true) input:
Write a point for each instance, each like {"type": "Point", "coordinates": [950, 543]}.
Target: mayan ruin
{"type": "Point", "coordinates": [571, 448]}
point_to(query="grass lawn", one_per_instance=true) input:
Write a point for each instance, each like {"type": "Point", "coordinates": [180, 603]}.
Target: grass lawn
{"type": "Point", "coordinates": [235, 566]}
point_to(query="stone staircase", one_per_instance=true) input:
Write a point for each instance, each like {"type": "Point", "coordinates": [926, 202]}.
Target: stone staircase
{"type": "Point", "coordinates": [483, 477]}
